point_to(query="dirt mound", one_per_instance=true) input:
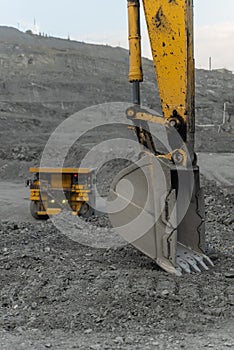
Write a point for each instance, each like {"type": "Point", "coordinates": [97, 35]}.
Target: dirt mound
{"type": "Point", "coordinates": [45, 80]}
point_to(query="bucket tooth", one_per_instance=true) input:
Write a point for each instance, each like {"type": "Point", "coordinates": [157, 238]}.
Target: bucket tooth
{"type": "Point", "coordinates": [208, 260]}
{"type": "Point", "coordinates": [159, 210]}
{"type": "Point", "coordinates": [200, 260]}
{"type": "Point", "coordinates": [179, 271]}
{"type": "Point", "coordinates": [183, 264]}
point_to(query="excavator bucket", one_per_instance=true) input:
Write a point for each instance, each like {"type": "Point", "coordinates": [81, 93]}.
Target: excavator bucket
{"type": "Point", "coordinates": [158, 208]}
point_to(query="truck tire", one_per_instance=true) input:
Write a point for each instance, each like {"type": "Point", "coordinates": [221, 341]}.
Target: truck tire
{"type": "Point", "coordinates": [85, 211]}
{"type": "Point", "coordinates": [34, 208]}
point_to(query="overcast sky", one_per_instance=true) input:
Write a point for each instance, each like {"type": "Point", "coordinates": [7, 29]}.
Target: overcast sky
{"type": "Point", "coordinates": [105, 21]}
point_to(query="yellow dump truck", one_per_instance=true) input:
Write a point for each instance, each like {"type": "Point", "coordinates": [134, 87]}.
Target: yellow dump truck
{"type": "Point", "coordinates": [53, 189]}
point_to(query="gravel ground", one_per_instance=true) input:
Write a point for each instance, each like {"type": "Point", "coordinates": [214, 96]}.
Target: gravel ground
{"type": "Point", "coordinates": [56, 293]}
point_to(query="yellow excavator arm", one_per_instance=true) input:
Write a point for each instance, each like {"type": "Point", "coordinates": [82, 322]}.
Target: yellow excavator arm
{"type": "Point", "coordinates": [170, 29]}
{"type": "Point", "coordinates": [162, 212]}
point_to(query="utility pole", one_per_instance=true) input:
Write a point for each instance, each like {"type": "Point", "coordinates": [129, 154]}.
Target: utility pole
{"type": "Point", "coordinates": [210, 63]}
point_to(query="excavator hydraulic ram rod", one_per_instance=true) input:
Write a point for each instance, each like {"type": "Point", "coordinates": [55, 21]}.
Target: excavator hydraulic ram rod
{"type": "Point", "coordinates": [135, 72]}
